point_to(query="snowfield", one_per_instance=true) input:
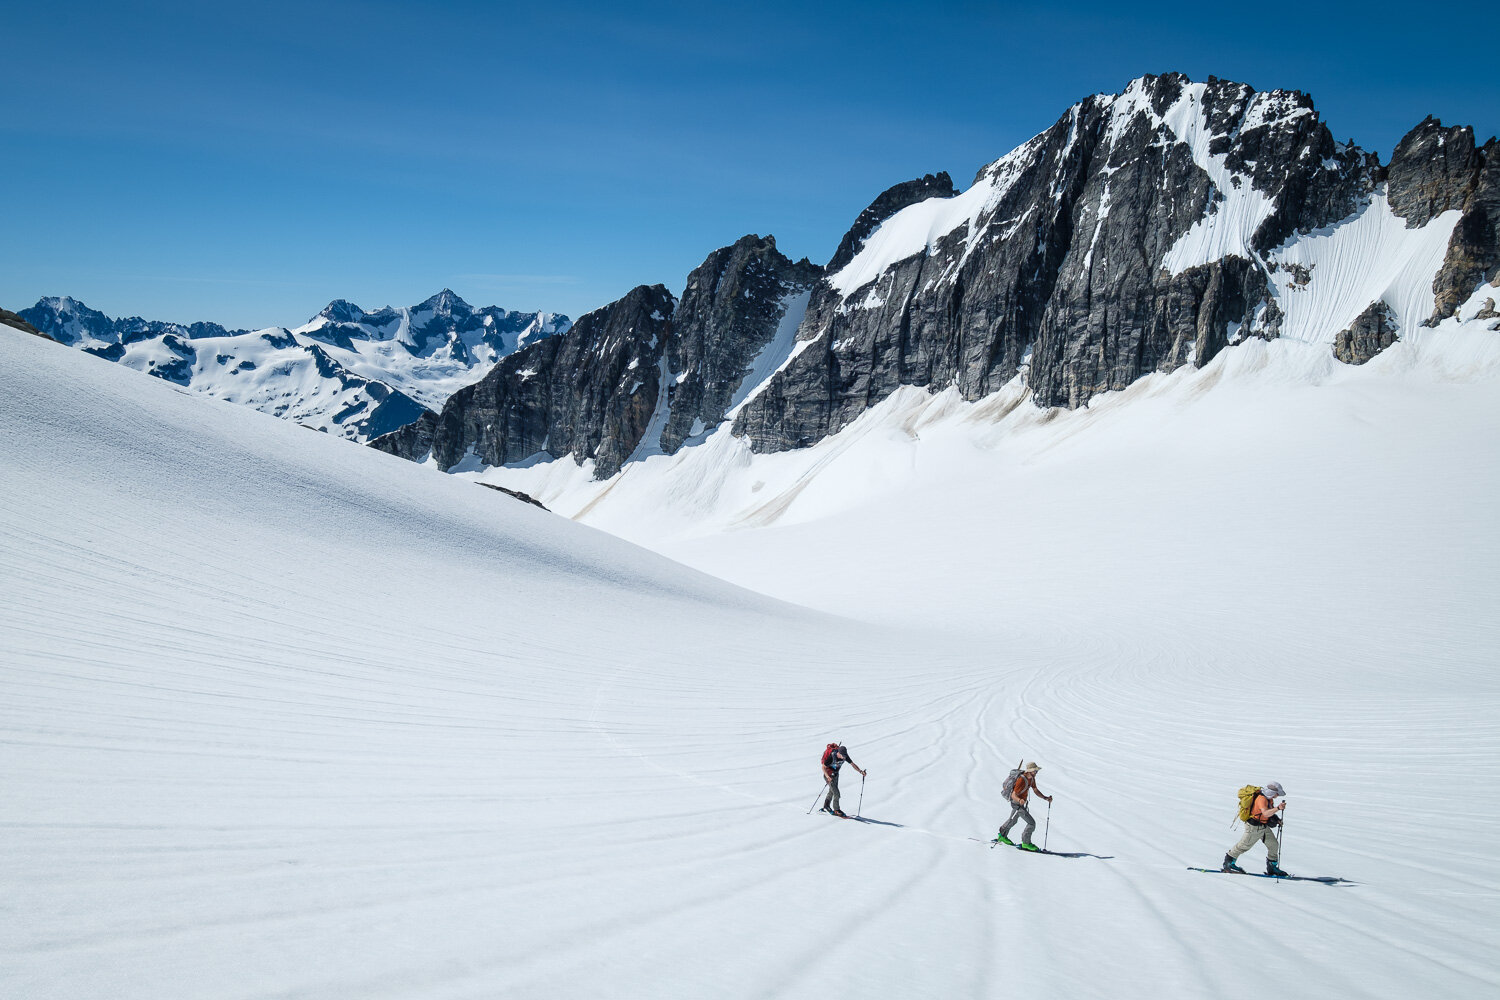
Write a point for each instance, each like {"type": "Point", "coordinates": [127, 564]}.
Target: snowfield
{"type": "Point", "coordinates": [287, 717]}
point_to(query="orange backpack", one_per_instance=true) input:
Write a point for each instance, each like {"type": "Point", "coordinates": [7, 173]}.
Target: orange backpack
{"type": "Point", "coordinates": [1247, 802]}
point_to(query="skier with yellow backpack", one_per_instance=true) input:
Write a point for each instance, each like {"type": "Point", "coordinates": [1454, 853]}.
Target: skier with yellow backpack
{"type": "Point", "coordinates": [1261, 817]}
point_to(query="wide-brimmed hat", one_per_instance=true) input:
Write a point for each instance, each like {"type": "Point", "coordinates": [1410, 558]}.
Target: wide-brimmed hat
{"type": "Point", "coordinates": [1032, 766]}
{"type": "Point", "coordinates": [1275, 789]}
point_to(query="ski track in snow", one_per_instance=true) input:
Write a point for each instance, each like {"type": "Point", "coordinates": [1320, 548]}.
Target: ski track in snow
{"type": "Point", "coordinates": [286, 717]}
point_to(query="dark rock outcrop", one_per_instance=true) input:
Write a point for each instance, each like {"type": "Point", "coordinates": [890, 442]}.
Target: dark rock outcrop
{"type": "Point", "coordinates": [590, 392]}
{"type": "Point", "coordinates": [1432, 171]}
{"type": "Point", "coordinates": [1436, 170]}
{"type": "Point", "coordinates": [14, 320]}
{"type": "Point", "coordinates": [731, 309]}
{"type": "Point", "coordinates": [523, 497]}
{"type": "Point", "coordinates": [1371, 332]}
{"type": "Point", "coordinates": [640, 376]}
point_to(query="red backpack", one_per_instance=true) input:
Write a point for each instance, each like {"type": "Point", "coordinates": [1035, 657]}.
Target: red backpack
{"type": "Point", "coordinates": [828, 754]}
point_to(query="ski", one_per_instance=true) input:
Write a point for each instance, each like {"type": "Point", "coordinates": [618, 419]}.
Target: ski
{"type": "Point", "coordinates": [1325, 879]}
{"type": "Point", "coordinates": [1055, 854]}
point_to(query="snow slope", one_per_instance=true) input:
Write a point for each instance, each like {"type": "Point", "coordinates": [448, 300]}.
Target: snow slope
{"type": "Point", "coordinates": [286, 717]}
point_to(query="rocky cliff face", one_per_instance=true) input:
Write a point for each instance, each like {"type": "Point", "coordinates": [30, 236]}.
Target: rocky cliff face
{"type": "Point", "coordinates": [641, 376]}
{"type": "Point", "coordinates": [1436, 170]}
{"type": "Point", "coordinates": [589, 393]}
{"type": "Point", "coordinates": [1143, 231]}
{"type": "Point", "coordinates": [730, 312]}
{"type": "Point", "coordinates": [1122, 240]}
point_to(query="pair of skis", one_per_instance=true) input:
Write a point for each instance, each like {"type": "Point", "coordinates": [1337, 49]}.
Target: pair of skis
{"type": "Point", "coordinates": [1041, 850]}
{"type": "Point", "coordinates": [1325, 879]}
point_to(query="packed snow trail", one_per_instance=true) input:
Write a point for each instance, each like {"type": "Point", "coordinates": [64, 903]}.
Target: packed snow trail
{"type": "Point", "coordinates": [287, 717]}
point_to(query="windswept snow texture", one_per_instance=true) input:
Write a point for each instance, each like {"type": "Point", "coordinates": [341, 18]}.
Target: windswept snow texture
{"type": "Point", "coordinates": [284, 717]}
{"type": "Point", "coordinates": [1327, 278]}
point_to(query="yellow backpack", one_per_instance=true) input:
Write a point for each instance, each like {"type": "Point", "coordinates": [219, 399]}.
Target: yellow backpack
{"type": "Point", "coordinates": [1247, 801]}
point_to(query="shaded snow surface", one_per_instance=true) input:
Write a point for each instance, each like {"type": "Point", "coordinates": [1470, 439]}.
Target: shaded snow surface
{"type": "Point", "coordinates": [288, 717]}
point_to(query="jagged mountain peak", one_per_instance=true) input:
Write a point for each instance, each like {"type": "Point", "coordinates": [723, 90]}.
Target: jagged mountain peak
{"type": "Point", "coordinates": [341, 311]}
{"type": "Point", "coordinates": [444, 303]}
{"type": "Point", "coordinates": [66, 305]}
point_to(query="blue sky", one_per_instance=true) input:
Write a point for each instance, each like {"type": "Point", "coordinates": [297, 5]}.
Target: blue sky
{"type": "Point", "coordinates": [247, 164]}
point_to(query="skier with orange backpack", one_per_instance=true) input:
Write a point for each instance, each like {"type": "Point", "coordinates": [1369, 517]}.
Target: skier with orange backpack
{"type": "Point", "coordinates": [1261, 817]}
{"type": "Point", "coordinates": [835, 755]}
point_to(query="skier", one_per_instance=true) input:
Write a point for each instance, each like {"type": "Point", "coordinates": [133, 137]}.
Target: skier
{"type": "Point", "coordinates": [1019, 788]}
{"type": "Point", "coordinates": [1261, 825]}
{"type": "Point", "coordinates": [834, 757]}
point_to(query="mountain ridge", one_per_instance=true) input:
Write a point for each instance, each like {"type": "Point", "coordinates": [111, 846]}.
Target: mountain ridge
{"type": "Point", "coordinates": [1142, 231]}
{"type": "Point", "coordinates": [350, 372]}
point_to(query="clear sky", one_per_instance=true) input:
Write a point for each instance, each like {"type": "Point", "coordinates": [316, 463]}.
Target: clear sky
{"type": "Point", "coordinates": [246, 163]}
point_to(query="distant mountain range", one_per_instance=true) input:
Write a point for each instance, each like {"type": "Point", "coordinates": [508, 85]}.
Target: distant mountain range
{"type": "Point", "coordinates": [1144, 231]}
{"type": "Point", "coordinates": [349, 372]}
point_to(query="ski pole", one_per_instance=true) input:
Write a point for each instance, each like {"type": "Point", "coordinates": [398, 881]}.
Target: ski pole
{"type": "Point", "coordinates": [1047, 833]}
{"type": "Point", "coordinates": [815, 801]}
{"type": "Point", "coordinates": [859, 809]}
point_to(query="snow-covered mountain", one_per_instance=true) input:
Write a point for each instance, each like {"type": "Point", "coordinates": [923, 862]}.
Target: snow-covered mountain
{"type": "Point", "coordinates": [1143, 232]}
{"type": "Point", "coordinates": [355, 374]}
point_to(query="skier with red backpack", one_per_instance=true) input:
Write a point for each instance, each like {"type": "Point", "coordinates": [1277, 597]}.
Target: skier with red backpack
{"type": "Point", "coordinates": [1019, 784]}
{"type": "Point", "coordinates": [835, 755]}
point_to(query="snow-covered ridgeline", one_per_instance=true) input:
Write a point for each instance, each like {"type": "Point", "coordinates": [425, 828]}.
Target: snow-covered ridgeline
{"type": "Point", "coordinates": [917, 228]}
{"type": "Point", "coordinates": [353, 373]}
{"type": "Point", "coordinates": [1142, 232]}
{"type": "Point", "coordinates": [1237, 214]}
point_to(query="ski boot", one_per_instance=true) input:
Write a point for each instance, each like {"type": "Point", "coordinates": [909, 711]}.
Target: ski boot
{"type": "Point", "coordinates": [1031, 847]}
{"type": "Point", "coordinates": [1003, 839]}
{"type": "Point", "coordinates": [840, 813]}
{"type": "Point", "coordinates": [1231, 866]}
{"type": "Point", "coordinates": [1274, 870]}
{"type": "Point", "coordinates": [824, 808]}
